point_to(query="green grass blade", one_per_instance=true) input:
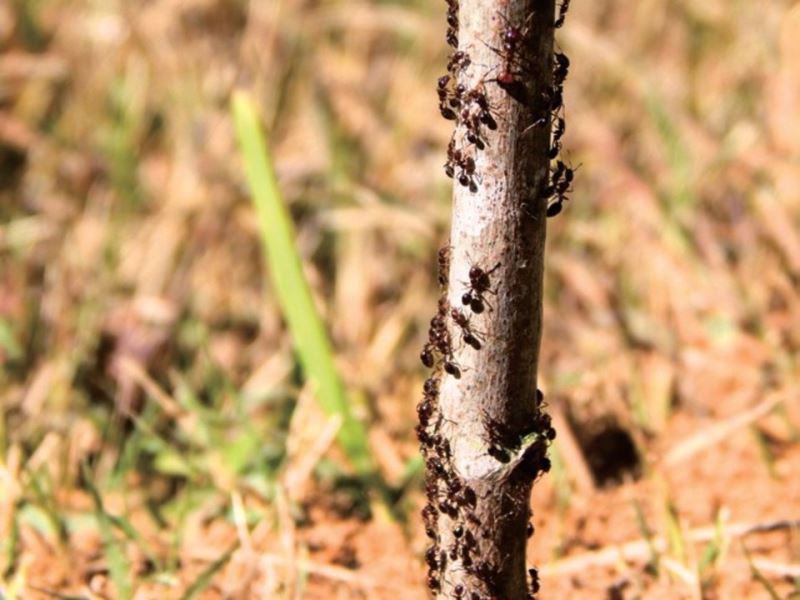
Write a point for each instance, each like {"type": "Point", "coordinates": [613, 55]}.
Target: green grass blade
{"type": "Point", "coordinates": [647, 534]}
{"type": "Point", "coordinates": [117, 561]}
{"type": "Point", "coordinates": [293, 294]}
{"type": "Point", "coordinates": [204, 579]}
{"type": "Point", "coordinates": [758, 576]}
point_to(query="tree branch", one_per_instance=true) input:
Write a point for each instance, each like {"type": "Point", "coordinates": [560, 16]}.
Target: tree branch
{"type": "Point", "coordinates": [482, 430]}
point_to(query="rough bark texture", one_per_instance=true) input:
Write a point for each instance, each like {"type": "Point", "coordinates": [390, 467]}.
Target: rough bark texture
{"type": "Point", "coordinates": [482, 431]}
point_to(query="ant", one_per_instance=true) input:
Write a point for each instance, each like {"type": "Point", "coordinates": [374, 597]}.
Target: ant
{"type": "Point", "coordinates": [488, 574]}
{"type": "Point", "coordinates": [478, 96]}
{"type": "Point", "coordinates": [451, 368]}
{"type": "Point", "coordinates": [559, 128]}
{"type": "Point", "coordinates": [429, 514]}
{"type": "Point", "coordinates": [562, 14]}
{"type": "Point", "coordinates": [459, 60]}
{"type": "Point", "coordinates": [430, 558]}
{"type": "Point", "coordinates": [498, 453]}
{"type": "Point", "coordinates": [423, 436]}
{"type": "Point", "coordinates": [452, 22]}
{"type": "Point", "coordinates": [425, 412]}
{"type": "Point", "coordinates": [445, 98]}
{"type": "Point", "coordinates": [555, 207]}
{"type": "Point", "coordinates": [534, 575]}
{"type": "Point", "coordinates": [433, 581]}
{"type": "Point", "coordinates": [561, 68]}
{"type": "Point", "coordinates": [560, 179]}
{"type": "Point", "coordinates": [426, 356]}
{"type": "Point", "coordinates": [509, 78]}
{"type": "Point", "coordinates": [479, 284]}
{"type": "Point", "coordinates": [469, 335]}
{"type": "Point", "coordinates": [443, 258]}
{"type": "Point", "coordinates": [431, 387]}
{"type": "Point", "coordinates": [466, 167]}
{"type": "Point", "coordinates": [554, 150]}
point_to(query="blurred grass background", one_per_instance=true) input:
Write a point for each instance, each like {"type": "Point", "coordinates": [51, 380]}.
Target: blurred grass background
{"type": "Point", "coordinates": [161, 435]}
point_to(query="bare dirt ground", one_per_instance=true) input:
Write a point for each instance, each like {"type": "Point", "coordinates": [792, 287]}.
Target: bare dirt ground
{"type": "Point", "coordinates": [157, 439]}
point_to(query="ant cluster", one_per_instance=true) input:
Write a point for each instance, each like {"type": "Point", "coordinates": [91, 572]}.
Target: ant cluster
{"type": "Point", "coordinates": [438, 350]}
{"type": "Point", "coordinates": [469, 108]}
{"type": "Point", "coordinates": [447, 494]}
{"type": "Point", "coordinates": [452, 23]}
{"type": "Point", "coordinates": [449, 497]}
{"type": "Point", "coordinates": [515, 70]}
{"type": "Point", "coordinates": [561, 175]}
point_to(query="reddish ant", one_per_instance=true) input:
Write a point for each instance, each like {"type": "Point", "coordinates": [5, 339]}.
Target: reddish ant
{"type": "Point", "coordinates": [513, 66]}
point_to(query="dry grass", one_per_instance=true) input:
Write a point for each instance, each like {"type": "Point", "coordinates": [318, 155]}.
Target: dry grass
{"type": "Point", "coordinates": [140, 339]}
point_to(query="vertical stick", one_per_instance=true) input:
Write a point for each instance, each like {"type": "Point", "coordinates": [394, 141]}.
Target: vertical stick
{"type": "Point", "coordinates": [482, 431]}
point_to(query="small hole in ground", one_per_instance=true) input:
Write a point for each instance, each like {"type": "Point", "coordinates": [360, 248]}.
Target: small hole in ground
{"type": "Point", "coordinates": [611, 454]}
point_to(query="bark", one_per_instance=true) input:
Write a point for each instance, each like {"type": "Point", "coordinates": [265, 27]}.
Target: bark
{"type": "Point", "coordinates": [482, 430]}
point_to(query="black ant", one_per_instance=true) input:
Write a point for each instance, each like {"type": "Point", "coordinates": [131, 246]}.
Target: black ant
{"type": "Point", "coordinates": [423, 436]}
{"type": "Point", "coordinates": [431, 387]}
{"type": "Point", "coordinates": [426, 356]}
{"type": "Point", "coordinates": [445, 98]}
{"type": "Point", "coordinates": [429, 514]}
{"type": "Point", "coordinates": [479, 284]}
{"type": "Point", "coordinates": [469, 335]}
{"type": "Point", "coordinates": [555, 207]}
{"type": "Point", "coordinates": [498, 453]}
{"type": "Point", "coordinates": [560, 69]}
{"type": "Point", "coordinates": [534, 575]}
{"type": "Point", "coordinates": [562, 13]}
{"type": "Point", "coordinates": [478, 96]}
{"type": "Point", "coordinates": [452, 368]}
{"type": "Point", "coordinates": [545, 465]}
{"type": "Point", "coordinates": [443, 258]}
{"type": "Point", "coordinates": [452, 23]}
{"type": "Point", "coordinates": [499, 434]}
{"type": "Point", "coordinates": [433, 581]}
{"type": "Point", "coordinates": [459, 60]}
{"type": "Point", "coordinates": [430, 557]}
{"type": "Point", "coordinates": [559, 128]}
{"type": "Point", "coordinates": [425, 412]}
{"type": "Point", "coordinates": [554, 150]}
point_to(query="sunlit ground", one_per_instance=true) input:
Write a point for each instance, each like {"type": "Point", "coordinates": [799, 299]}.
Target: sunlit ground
{"type": "Point", "coordinates": [157, 437]}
